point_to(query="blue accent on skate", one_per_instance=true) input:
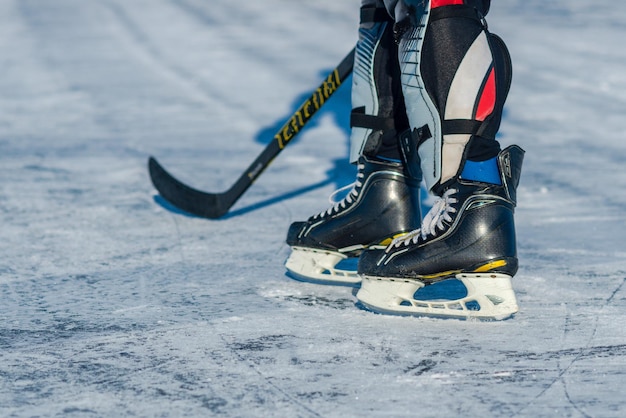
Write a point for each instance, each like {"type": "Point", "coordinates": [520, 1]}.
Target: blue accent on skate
{"type": "Point", "coordinates": [445, 290]}
{"type": "Point", "coordinates": [483, 171]}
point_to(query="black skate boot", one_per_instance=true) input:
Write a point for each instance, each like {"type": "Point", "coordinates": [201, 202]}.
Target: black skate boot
{"type": "Point", "coordinates": [383, 204]}
{"type": "Point", "coordinates": [469, 235]}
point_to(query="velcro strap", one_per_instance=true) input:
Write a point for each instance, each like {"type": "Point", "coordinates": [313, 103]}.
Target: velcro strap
{"type": "Point", "coordinates": [458, 11]}
{"type": "Point", "coordinates": [374, 14]}
{"type": "Point", "coordinates": [464, 126]}
{"type": "Point", "coordinates": [422, 134]}
{"type": "Point", "coordinates": [359, 119]}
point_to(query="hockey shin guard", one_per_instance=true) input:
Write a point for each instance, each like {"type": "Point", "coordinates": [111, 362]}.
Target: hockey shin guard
{"type": "Point", "coordinates": [378, 113]}
{"type": "Point", "coordinates": [455, 79]}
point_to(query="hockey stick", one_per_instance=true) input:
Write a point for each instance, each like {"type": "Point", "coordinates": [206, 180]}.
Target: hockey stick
{"type": "Point", "coordinates": [215, 205]}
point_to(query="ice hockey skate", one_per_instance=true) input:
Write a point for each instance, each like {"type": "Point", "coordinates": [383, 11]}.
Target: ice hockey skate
{"type": "Point", "coordinates": [384, 201]}
{"type": "Point", "coordinates": [382, 205]}
{"type": "Point", "coordinates": [456, 76]}
{"type": "Point", "coordinates": [468, 235]}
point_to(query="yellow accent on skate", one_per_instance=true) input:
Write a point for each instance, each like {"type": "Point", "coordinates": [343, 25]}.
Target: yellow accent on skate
{"type": "Point", "coordinates": [388, 241]}
{"type": "Point", "coordinates": [439, 275]}
{"type": "Point", "coordinates": [490, 266]}
{"type": "Point", "coordinates": [450, 273]}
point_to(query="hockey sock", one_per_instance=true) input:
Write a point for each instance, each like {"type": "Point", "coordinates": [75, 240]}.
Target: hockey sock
{"type": "Point", "coordinates": [482, 171]}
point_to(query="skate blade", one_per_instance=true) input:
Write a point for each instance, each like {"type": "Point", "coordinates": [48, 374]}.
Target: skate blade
{"type": "Point", "coordinates": [489, 296]}
{"type": "Point", "coordinates": [318, 266]}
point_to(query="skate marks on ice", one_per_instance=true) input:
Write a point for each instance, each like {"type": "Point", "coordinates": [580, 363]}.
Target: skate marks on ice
{"type": "Point", "coordinates": [592, 344]}
{"type": "Point", "coordinates": [81, 346]}
{"type": "Point", "coordinates": [296, 294]}
{"type": "Point", "coordinates": [133, 35]}
{"type": "Point", "coordinates": [302, 350]}
{"type": "Point", "coordinates": [300, 372]}
{"type": "Point", "coordinates": [108, 372]}
{"type": "Point", "coordinates": [254, 353]}
{"type": "Point", "coordinates": [382, 373]}
{"type": "Point", "coordinates": [536, 365]}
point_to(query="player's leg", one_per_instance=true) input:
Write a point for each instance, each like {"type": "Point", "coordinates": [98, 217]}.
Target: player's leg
{"type": "Point", "coordinates": [384, 200]}
{"type": "Point", "coordinates": [456, 76]}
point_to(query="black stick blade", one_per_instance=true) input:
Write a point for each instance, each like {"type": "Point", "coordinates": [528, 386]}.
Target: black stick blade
{"type": "Point", "coordinates": [196, 202]}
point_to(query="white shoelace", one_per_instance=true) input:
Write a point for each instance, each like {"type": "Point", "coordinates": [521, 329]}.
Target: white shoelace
{"type": "Point", "coordinates": [433, 221]}
{"type": "Point", "coordinates": [350, 197]}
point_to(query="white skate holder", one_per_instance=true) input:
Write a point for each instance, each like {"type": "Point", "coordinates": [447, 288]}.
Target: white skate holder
{"type": "Point", "coordinates": [318, 266]}
{"type": "Point", "coordinates": [489, 296]}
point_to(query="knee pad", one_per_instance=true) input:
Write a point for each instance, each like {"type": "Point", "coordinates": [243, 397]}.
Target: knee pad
{"type": "Point", "coordinates": [455, 79]}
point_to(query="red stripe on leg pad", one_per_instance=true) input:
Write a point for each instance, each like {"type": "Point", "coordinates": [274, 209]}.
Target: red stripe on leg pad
{"type": "Point", "coordinates": [487, 98]}
{"type": "Point", "coordinates": [438, 3]}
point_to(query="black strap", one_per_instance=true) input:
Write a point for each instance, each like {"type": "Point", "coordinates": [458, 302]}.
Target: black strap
{"type": "Point", "coordinates": [465, 126]}
{"type": "Point", "coordinates": [422, 134]}
{"type": "Point", "coordinates": [359, 119]}
{"type": "Point", "coordinates": [457, 11]}
{"type": "Point", "coordinates": [374, 14]}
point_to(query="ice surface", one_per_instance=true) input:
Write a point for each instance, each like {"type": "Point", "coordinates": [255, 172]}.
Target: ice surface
{"type": "Point", "coordinates": [115, 304]}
